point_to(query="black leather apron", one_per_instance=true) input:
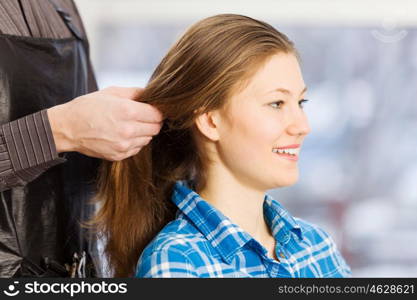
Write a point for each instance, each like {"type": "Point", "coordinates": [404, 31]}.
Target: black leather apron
{"type": "Point", "coordinates": [40, 223]}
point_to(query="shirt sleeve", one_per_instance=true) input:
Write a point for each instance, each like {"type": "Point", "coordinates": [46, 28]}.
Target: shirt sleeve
{"type": "Point", "coordinates": [27, 149]}
{"type": "Point", "coordinates": [165, 263]}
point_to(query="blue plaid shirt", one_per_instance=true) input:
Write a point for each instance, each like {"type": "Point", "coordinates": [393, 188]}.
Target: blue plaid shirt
{"type": "Point", "coordinates": [202, 242]}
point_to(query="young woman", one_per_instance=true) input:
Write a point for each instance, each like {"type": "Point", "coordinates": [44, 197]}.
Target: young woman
{"type": "Point", "coordinates": [192, 203]}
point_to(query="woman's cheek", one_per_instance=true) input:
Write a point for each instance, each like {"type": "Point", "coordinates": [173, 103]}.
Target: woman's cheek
{"type": "Point", "coordinates": [269, 128]}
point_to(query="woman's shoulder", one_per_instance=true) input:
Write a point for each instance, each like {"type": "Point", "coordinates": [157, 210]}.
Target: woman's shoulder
{"type": "Point", "coordinates": [322, 244]}
{"type": "Point", "coordinates": [313, 231]}
{"type": "Point", "coordinates": [179, 233]}
{"type": "Point", "coordinates": [173, 252]}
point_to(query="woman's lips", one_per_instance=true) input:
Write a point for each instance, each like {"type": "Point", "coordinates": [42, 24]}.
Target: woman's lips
{"type": "Point", "coordinates": [287, 156]}
{"type": "Point", "coordinates": [290, 152]}
{"type": "Point", "coordinates": [289, 146]}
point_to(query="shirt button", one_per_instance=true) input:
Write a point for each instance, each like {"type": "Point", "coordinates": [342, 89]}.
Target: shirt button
{"type": "Point", "coordinates": [284, 239]}
{"type": "Point", "coordinates": [282, 255]}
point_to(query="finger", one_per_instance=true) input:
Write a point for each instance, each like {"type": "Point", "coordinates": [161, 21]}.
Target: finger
{"type": "Point", "coordinates": [126, 154]}
{"type": "Point", "coordinates": [132, 93]}
{"type": "Point", "coordinates": [137, 145]}
{"type": "Point", "coordinates": [133, 152]}
{"type": "Point", "coordinates": [146, 129]}
{"type": "Point", "coordinates": [144, 112]}
{"type": "Point", "coordinates": [140, 143]}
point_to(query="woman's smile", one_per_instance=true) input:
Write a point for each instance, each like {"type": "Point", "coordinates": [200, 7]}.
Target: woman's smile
{"type": "Point", "coordinates": [290, 152]}
{"type": "Point", "coordinates": [287, 155]}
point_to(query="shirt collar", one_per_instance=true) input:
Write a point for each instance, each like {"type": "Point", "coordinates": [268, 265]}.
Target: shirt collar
{"type": "Point", "coordinates": [220, 231]}
{"type": "Point", "coordinates": [280, 220]}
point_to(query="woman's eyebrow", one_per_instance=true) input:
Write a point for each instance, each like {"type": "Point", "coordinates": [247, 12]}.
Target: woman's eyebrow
{"type": "Point", "coordinates": [287, 92]}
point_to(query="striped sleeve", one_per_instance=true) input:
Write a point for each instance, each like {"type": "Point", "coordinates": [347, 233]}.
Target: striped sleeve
{"type": "Point", "coordinates": [27, 149]}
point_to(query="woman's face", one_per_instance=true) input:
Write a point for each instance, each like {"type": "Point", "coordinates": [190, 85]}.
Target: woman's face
{"type": "Point", "coordinates": [261, 121]}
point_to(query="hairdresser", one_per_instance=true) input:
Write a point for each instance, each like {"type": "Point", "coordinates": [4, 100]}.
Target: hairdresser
{"type": "Point", "coordinates": [53, 129]}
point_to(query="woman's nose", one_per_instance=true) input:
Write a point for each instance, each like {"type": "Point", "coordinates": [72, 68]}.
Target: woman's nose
{"type": "Point", "coordinates": [299, 125]}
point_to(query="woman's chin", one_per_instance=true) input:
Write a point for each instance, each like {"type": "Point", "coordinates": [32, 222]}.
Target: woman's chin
{"type": "Point", "coordinates": [284, 182]}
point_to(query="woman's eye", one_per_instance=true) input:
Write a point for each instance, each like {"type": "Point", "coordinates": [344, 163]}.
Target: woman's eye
{"type": "Point", "coordinates": [277, 104]}
{"type": "Point", "coordinates": [301, 102]}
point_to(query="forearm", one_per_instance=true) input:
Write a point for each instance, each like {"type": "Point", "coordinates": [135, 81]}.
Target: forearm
{"type": "Point", "coordinates": [27, 149]}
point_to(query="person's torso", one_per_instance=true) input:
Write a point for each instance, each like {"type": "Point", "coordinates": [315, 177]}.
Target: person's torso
{"type": "Point", "coordinates": [311, 257]}
{"type": "Point", "coordinates": [42, 219]}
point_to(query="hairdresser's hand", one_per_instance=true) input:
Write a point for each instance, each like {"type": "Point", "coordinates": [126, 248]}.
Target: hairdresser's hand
{"type": "Point", "coordinates": [106, 124]}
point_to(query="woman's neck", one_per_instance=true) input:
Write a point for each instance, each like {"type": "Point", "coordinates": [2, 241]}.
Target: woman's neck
{"type": "Point", "coordinates": [240, 203]}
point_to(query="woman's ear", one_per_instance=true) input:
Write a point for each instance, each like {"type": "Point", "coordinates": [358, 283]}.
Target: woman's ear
{"type": "Point", "coordinates": [208, 124]}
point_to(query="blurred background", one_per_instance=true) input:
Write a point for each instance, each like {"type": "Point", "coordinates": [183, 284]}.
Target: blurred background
{"type": "Point", "coordinates": [359, 58]}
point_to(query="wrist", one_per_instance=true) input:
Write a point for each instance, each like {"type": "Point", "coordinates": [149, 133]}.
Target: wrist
{"type": "Point", "coordinates": [60, 130]}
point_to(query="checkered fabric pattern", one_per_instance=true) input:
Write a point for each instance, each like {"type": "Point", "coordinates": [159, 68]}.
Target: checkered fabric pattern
{"type": "Point", "coordinates": [202, 242]}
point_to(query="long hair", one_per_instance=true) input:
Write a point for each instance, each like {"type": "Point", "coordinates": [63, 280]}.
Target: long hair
{"type": "Point", "coordinates": [212, 59]}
